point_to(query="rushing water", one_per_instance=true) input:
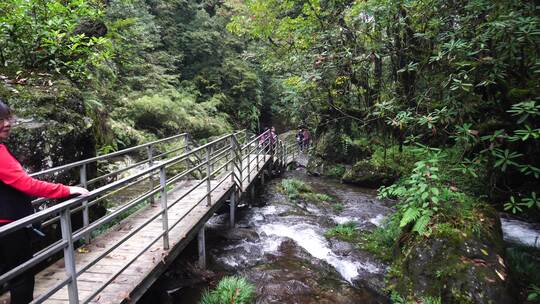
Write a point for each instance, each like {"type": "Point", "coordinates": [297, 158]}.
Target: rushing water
{"type": "Point", "coordinates": [520, 232]}
{"type": "Point", "coordinates": [280, 246]}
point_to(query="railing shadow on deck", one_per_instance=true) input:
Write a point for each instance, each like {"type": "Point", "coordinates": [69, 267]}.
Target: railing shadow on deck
{"type": "Point", "coordinates": [168, 161]}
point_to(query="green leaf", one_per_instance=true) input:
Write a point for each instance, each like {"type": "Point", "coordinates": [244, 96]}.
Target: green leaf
{"type": "Point", "coordinates": [410, 215]}
{"type": "Point", "coordinates": [422, 223]}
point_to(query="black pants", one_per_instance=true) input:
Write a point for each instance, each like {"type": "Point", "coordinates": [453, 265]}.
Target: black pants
{"type": "Point", "coordinates": [15, 249]}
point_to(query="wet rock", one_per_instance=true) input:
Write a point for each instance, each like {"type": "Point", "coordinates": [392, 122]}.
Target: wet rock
{"type": "Point", "coordinates": [220, 221]}
{"type": "Point", "coordinates": [364, 174]}
{"type": "Point", "coordinates": [297, 287]}
{"type": "Point", "coordinates": [240, 234]}
{"type": "Point", "coordinates": [316, 166]}
{"type": "Point", "coordinates": [342, 248]}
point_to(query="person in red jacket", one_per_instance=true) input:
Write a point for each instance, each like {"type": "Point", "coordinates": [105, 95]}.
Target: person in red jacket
{"type": "Point", "coordinates": [16, 191]}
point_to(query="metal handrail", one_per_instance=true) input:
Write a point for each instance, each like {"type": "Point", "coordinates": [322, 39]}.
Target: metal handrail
{"type": "Point", "coordinates": [105, 156]}
{"type": "Point", "coordinates": [227, 146]}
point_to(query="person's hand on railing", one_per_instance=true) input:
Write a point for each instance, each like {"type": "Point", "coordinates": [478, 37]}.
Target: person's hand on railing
{"type": "Point", "coordinates": [78, 190]}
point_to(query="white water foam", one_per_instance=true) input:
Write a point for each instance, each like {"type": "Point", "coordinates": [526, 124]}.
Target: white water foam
{"type": "Point", "coordinates": [342, 219]}
{"type": "Point", "coordinates": [272, 209]}
{"type": "Point", "coordinates": [520, 232]}
{"type": "Point", "coordinates": [377, 221]}
{"type": "Point", "coordinates": [307, 237]}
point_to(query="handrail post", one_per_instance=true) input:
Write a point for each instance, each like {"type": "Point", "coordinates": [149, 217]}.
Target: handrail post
{"type": "Point", "coordinates": [86, 218]}
{"type": "Point", "coordinates": [232, 159]}
{"type": "Point", "coordinates": [227, 160]}
{"type": "Point", "coordinates": [186, 141]}
{"type": "Point", "coordinates": [208, 186]}
{"type": "Point", "coordinates": [240, 159]}
{"type": "Point", "coordinates": [69, 255]}
{"type": "Point", "coordinates": [248, 164]}
{"type": "Point", "coordinates": [164, 208]}
{"type": "Point", "coordinates": [211, 154]}
{"type": "Point", "coordinates": [283, 154]}
{"type": "Point", "coordinates": [258, 151]}
{"type": "Point", "coordinates": [150, 152]}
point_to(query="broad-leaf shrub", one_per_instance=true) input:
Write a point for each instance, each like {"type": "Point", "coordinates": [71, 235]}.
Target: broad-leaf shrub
{"type": "Point", "coordinates": [43, 35]}
{"type": "Point", "coordinates": [424, 198]}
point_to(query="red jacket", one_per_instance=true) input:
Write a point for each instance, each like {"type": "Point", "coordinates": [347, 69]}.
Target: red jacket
{"type": "Point", "coordinates": [14, 179]}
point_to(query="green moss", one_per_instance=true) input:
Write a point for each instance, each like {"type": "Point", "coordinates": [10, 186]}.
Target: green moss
{"type": "Point", "coordinates": [338, 207]}
{"type": "Point", "coordinates": [335, 146]}
{"type": "Point", "coordinates": [294, 187]}
{"type": "Point", "coordinates": [382, 241]}
{"type": "Point", "coordinates": [335, 171]}
{"type": "Point", "coordinates": [393, 160]}
{"type": "Point", "coordinates": [316, 197]}
{"type": "Point", "coordinates": [346, 232]}
{"type": "Point", "coordinates": [524, 262]}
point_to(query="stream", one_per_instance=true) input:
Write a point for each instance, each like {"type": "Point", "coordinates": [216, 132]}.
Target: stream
{"type": "Point", "coordinates": [280, 247]}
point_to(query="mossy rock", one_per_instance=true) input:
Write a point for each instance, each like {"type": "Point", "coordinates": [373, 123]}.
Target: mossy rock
{"type": "Point", "coordinates": [51, 128]}
{"type": "Point", "coordinates": [456, 266]}
{"type": "Point", "coordinates": [364, 174]}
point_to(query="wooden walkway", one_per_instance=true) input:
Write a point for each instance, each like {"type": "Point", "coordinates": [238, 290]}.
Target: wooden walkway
{"type": "Point", "coordinates": [119, 265]}
{"type": "Point", "coordinates": [140, 274]}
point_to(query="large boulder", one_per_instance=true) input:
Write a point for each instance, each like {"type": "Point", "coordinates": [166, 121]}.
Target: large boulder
{"type": "Point", "coordinates": [365, 174]}
{"type": "Point", "coordinates": [457, 266]}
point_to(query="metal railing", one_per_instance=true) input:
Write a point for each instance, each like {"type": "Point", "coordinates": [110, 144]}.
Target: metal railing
{"type": "Point", "coordinates": [231, 157]}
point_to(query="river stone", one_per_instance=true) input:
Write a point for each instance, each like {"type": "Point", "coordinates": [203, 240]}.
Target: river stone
{"type": "Point", "coordinates": [461, 269]}
{"type": "Point", "coordinates": [239, 234]}
{"type": "Point", "coordinates": [341, 248]}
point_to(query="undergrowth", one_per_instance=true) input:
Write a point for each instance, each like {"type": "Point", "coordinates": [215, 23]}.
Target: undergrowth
{"type": "Point", "coordinates": [345, 232]}
{"type": "Point", "coordinates": [382, 240]}
{"type": "Point", "coordinates": [230, 290]}
{"type": "Point", "coordinates": [524, 262]}
{"type": "Point", "coordinates": [296, 190]}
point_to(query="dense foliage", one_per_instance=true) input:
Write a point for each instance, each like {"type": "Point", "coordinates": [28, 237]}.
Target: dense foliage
{"type": "Point", "coordinates": [460, 73]}
{"type": "Point", "coordinates": [441, 94]}
{"type": "Point", "coordinates": [145, 69]}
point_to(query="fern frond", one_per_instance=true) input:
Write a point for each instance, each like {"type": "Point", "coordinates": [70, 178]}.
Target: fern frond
{"type": "Point", "coordinates": [410, 215]}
